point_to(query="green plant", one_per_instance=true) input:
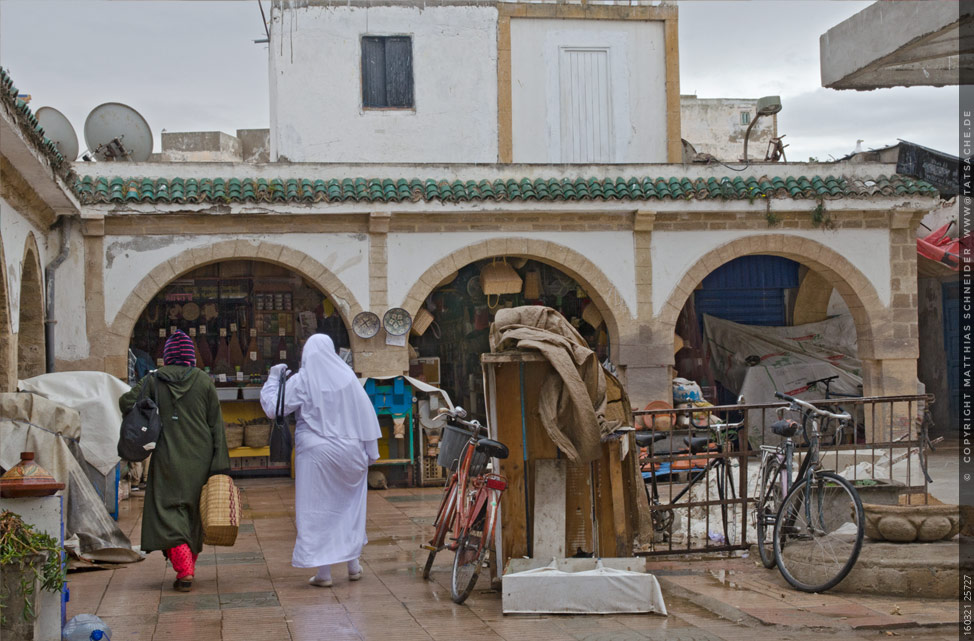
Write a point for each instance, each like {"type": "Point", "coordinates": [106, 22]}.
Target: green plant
{"type": "Point", "coordinates": [38, 553]}
{"type": "Point", "coordinates": [821, 217]}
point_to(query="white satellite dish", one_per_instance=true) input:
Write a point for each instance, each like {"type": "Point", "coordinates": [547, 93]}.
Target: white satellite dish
{"type": "Point", "coordinates": [114, 131]}
{"type": "Point", "coordinates": [59, 131]}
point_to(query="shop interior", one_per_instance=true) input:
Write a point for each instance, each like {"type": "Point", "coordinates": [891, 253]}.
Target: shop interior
{"type": "Point", "coordinates": [453, 325]}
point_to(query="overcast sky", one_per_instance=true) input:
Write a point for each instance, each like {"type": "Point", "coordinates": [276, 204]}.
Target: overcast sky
{"type": "Point", "coordinates": [193, 66]}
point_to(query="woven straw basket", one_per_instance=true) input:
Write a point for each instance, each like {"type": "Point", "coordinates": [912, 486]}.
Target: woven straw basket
{"type": "Point", "coordinates": [422, 321]}
{"type": "Point", "coordinates": [591, 315]}
{"type": "Point", "coordinates": [257, 433]}
{"type": "Point", "coordinates": [235, 435]}
{"type": "Point", "coordinates": [220, 510]}
{"type": "Point", "coordinates": [532, 285]}
{"type": "Point", "coordinates": [500, 278]}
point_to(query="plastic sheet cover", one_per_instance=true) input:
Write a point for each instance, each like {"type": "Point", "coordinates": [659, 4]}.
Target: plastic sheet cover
{"type": "Point", "coordinates": [95, 395]}
{"type": "Point", "coordinates": [581, 586]}
{"type": "Point", "coordinates": [32, 423]}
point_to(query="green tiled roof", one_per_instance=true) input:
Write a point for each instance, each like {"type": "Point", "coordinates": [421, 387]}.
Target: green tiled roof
{"type": "Point", "coordinates": [306, 190]}
{"type": "Point", "coordinates": [34, 132]}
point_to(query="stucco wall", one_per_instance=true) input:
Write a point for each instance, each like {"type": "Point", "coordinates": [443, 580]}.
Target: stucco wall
{"type": "Point", "coordinates": [71, 330]}
{"type": "Point", "coordinates": [713, 126]}
{"type": "Point", "coordinates": [671, 258]}
{"type": "Point", "coordinates": [410, 255]}
{"type": "Point", "coordinates": [316, 87]}
{"type": "Point", "coordinates": [16, 229]}
{"type": "Point", "coordinates": [128, 259]}
{"type": "Point", "coordinates": [637, 76]}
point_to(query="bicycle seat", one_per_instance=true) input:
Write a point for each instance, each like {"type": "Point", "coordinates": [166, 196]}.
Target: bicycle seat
{"type": "Point", "coordinates": [697, 444]}
{"type": "Point", "coordinates": [785, 427]}
{"type": "Point", "coordinates": [645, 439]}
{"type": "Point", "coordinates": [492, 448]}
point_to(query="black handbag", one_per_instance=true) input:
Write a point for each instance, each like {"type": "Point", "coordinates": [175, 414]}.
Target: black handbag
{"type": "Point", "coordinates": [141, 427]}
{"type": "Point", "coordinates": [280, 432]}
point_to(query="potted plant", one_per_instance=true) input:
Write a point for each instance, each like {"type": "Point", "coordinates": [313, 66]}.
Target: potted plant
{"type": "Point", "coordinates": [29, 561]}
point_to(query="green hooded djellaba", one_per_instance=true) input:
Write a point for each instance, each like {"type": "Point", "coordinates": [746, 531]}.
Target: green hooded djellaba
{"type": "Point", "coordinates": [191, 448]}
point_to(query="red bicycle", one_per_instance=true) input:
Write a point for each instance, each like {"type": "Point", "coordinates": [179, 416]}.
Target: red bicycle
{"type": "Point", "coordinates": [470, 501]}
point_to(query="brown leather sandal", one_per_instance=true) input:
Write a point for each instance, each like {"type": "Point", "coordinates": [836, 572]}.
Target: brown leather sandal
{"type": "Point", "coordinates": [184, 584]}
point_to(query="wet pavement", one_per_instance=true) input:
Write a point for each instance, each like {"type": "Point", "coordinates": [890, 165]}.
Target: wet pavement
{"type": "Point", "coordinates": [250, 591]}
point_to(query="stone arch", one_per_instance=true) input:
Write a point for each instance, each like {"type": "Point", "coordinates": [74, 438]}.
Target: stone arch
{"type": "Point", "coordinates": [190, 259]}
{"type": "Point", "coordinates": [859, 293]}
{"type": "Point", "coordinates": [30, 326]}
{"type": "Point", "coordinates": [610, 303]}
{"type": "Point", "coordinates": [8, 374]}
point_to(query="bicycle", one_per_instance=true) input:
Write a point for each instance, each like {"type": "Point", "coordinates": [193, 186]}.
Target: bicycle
{"type": "Point", "coordinates": [820, 520]}
{"type": "Point", "coordinates": [469, 507]}
{"type": "Point", "coordinates": [860, 428]}
{"type": "Point", "coordinates": [723, 436]}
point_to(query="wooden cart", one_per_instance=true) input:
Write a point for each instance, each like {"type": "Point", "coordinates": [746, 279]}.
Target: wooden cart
{"type": "Point", "coordinates": [553, 507]}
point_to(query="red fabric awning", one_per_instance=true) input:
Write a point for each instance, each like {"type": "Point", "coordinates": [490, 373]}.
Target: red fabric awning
{"type": "Point", "coordinates": [940, 247]}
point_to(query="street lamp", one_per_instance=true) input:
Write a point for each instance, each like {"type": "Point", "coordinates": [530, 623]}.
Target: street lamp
{"type": "Point", "coordinates": [767, 106]}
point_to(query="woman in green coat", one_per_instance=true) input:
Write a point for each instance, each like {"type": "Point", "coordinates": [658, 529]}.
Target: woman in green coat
{"type": "Point", "coordinates": [191, 448]}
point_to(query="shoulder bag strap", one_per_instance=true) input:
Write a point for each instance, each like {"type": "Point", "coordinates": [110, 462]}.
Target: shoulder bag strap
{"type": "Point", "coordinates": [280, 396]}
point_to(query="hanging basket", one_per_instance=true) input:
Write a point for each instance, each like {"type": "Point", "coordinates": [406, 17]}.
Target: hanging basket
{"type": "Point", "coordinates": [422, 321]}
{"type": "Point", "coordinates": [500, 278]}
{"type": "Point", "coordinates": [532, 285]}
{"type": "Point", "coordinates": [591, 315]}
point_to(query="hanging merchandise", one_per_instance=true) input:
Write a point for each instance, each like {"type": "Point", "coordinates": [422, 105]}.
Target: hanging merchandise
{"type": "Point", "coordinates": [203, 347]}
{"type": "Point", "coordinates": [422, 321]}
{"type": "Point", "coordinates": [499, 278]}
{"type": "Point", "coordinates": [160, 347]}
{"type": "Point", "coordinates": [327, 308]}
{"type": "Point", "coordinates": [532, 285]}
{"type": "Point", "coordinates": [251, 364]}
{"type": "Point", "coordinates": [196, 348]}
{"type": "Point", "coordinates": [236, 356]}
{"type": "Point", "coordinates": [591, 315]}
{"type": "Point", "coordinates": [221, 364]}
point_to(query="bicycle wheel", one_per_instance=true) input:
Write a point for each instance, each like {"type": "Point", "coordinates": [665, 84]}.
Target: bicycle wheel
{"type": "Point", "coordinates": [471, 554]}
{"type": "Point", "coordinates": [442, 524]}
{"type": "Point", "coordinates": [818, 532]}
{"type": "Point", "coordinates": [769, 500]}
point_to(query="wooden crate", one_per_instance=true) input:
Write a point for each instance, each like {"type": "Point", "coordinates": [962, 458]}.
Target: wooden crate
{"type": "Point", "coordinates": [431, 470]}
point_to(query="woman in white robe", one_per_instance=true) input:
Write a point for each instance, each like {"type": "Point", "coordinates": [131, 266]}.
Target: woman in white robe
{"type": "Point", "coordinates": [335, 441]}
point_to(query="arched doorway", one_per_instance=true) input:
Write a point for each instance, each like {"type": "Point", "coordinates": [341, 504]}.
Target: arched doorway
{"type": "Point", "coordinates": [30, 332]}
{"type": "Point", "coordinates": [7, 369]}
{"type": "Point", "coordinates": [447, 351]}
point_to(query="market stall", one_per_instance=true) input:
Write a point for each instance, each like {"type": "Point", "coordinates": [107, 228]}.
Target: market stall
{"type": "Point", "coordinates": [450, 331]}
{"type": "Point", "coordinates": [244, 316]}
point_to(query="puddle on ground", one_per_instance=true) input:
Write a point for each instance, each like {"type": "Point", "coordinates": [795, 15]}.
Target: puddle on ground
{"type": "Point", "coordinates": [726, 579]}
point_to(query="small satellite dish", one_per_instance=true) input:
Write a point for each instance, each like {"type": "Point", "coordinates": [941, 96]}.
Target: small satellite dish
{"type": "Point", "coordinates": [59, 131]}
{"type": "Point", "coordinates": [114, 131]}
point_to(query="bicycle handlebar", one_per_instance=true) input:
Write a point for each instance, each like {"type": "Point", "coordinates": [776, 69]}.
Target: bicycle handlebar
{"type": "Point", "coordinates": [845, 416]}
{"type": "Point", "coordinates": [473, 425]}
{"type": "Point", "coordinates": [823, 380]}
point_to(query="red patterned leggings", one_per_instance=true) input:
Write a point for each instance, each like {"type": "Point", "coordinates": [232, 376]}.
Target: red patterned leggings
{"type": "Point", "coordinates": [183, 560]}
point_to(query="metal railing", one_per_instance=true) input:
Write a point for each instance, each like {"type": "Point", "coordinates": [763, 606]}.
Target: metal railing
{"type": "Point", "coordinates": [702, 500]}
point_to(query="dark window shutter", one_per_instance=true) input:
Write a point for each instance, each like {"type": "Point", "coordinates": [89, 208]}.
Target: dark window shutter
{"type": "Point", "coordinates": [373, 72]}
{"type": "Point", "coordinates": [399, 72]}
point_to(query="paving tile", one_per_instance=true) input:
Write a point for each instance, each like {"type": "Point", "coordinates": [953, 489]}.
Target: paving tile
{"type": "Point", "coordinates": [248, 600]}
{"type": "Point", "coordinates": [189, 603]}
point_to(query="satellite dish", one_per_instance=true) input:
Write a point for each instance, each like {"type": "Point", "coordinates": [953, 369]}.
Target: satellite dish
{"type": "Point", "coordinates": [59, 131]}
{"type": "Point", "coordinates": [114, 131]}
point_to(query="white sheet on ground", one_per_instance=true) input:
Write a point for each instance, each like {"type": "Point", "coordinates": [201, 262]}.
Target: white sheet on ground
{"type": "Point", "coordinates": [95, 395]}
{"type": "Point", "coordinates": [581, 586]}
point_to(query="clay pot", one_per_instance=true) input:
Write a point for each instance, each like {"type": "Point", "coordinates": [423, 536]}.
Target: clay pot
{"type": "Point", "coordinates": [911, 523]}
{"type": "Point", "coordinates": [27, 478]}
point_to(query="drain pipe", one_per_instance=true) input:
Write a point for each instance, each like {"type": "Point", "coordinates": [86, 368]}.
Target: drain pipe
{"type": "Point", "coordinates": [49, 322]}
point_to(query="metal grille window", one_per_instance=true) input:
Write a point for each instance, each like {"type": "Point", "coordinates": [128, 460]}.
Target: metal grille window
{"type": "Point", "coordinates": [745, 117]}
{"type": "Point", "coordinates": [387, 72]}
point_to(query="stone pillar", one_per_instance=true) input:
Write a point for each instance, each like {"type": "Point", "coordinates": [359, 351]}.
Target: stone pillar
{"type": "Point", "coordinates": [646, 350]}
{"type": "Point", "coordinates": [372, 356]}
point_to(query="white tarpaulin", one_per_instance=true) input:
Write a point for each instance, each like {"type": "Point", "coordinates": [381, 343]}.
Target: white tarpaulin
{"type": "Point", "coordinates": [757, 361]}
{"type": "Point", "coordinates": [95, 395]}
{"type": "Point", "coordinates": [581, 586]}
{"type": "Point", "coordinates": [30, 423]}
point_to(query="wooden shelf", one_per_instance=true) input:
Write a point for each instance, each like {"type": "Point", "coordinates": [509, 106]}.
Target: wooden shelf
{"type": "Point", "coordinates": [238, 452]}
{"type": "Point", "coordinates": [393, 461]}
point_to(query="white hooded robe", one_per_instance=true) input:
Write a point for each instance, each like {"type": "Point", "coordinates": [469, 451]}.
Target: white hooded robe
{"type": "Point", "coordinates": [335, 441]}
